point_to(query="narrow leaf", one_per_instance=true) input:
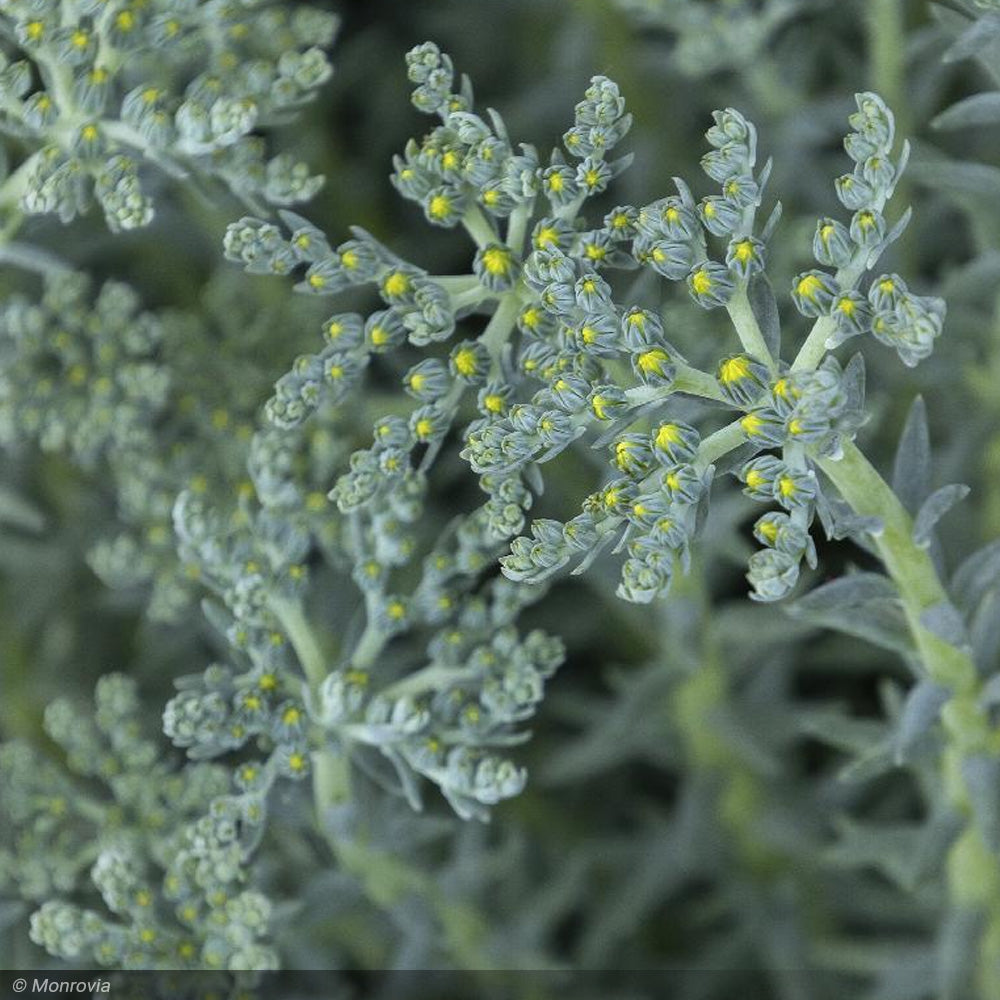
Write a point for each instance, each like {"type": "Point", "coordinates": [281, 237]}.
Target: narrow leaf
{"type": "Point", "coordinates": [947, 623]}
{"type": "Point", "coordinates": [980, 109]}
{"type": "Point", "coordinates": [911, 469]}
{"type": "Point", "coordinates": [957, 178]}
{"type": "Point", "coordinates": [983, 32]}
{"type": "Point", "coordinates": [977, 575]}
{"type": "Point", "coordinates": [934, 508]}
{"type": "Point", "coordinates": [765, 311]}
{"type": "Point", "coordinates": [865, 605]}
{"type": "Point", "coordinates": [772, 223]}
{"type": "Point", "coordinates": [19, 513]}
{"type": "Point", "coordinates": [920, 712]}
{"type": "Point", "coordinates": [982, 779]}
{"type": "Point", "coordinates": [848, 591]}
{"type": "Point", "coordinates": [984, 633]}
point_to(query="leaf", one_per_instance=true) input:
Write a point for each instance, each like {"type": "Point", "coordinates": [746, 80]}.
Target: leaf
{"type": "Point", "coordinates": [687, 199]}
{"type": "Point", "coordinates": [865, 605]}
{"type": "Point", "coordinates": [839, 521]}
{"type": "Point", "coordinates": [844, 732]}
{"type": "Point", "coordinates": [894, 234]}
{"type": "Point", "coordinates": [19, 513]}
{"type": "Point", "coordinates": [854, 390]}
{"type": "Point", "coordinates": [985, 31]}
{"type": "Point", "coordinates": [772, 223]}
{"type": "Point", "coordinates": [911, 468]}
{"type": "Point", "coordinates": [934, 508]}
{"type": "Point", "coordinates": [980, 109]}
{"type": "Point", "coordinates": [958, 178]}
{"type": "Point", "coordinates": [982, 779]}
{"type": "Point", "coordinates": [989, 695]}
{"type": "Point", "coordinates": [920, 712]}
{"type": "Point", "coordinates": [974, 281]}
{"type": "Point", "coordinates": [958, 952]}
{"type": "Point", "coordinates": [889, 849]}
{"type": "Point", "coordinates": [872, 765]}
{"type": "Point", "coordinates": [856, 588]}
{"type": "Point", "coordinates": [977, 575]}
{"type": "Point", "coordinates": [765, 311]}
{"type": "Point", "coordinates": [947, 623]}
{"type": "Point", "coordinates": [984, 633]}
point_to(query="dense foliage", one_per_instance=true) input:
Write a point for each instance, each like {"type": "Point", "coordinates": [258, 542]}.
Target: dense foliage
{"type": "Point", "coordinates": [384, 581]}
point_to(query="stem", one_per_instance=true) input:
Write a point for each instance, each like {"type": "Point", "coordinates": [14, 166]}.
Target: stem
{"type": "Point", "coordinates": [886, 29]}
{"type": "Point", "coordinates": [479, 227]}
{"type": "Point", "coordinates": [371, 643]}
{"type": "Point", "coordinates": [303, 640]}
{"type": "Point", "coordinates": [385, 877]}
{"type": "Point", "coordinates": [697, 383]}
{"type": "Point", "coordinates": [909, 566]}
{"type": "Point", "coordinates": [517, 226]}
{"type": "Point", "coordinates": [501, 323]}
{"type": "Point", "coordinates": [720, 443]}
{"type": "Point", "coordinates": [747, 328]}
{"type": "Point", "coordinates": [973, 868]}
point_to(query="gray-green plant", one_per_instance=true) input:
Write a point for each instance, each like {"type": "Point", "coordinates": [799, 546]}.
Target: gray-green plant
{"type": "Point", "coordinates": [363, 601]}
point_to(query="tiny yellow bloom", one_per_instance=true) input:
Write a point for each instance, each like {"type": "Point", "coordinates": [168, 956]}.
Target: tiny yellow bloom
{"type": "Point", "coordinates": [654, 361]}
{"type": "Point", "coordinates": [787, 487]}
{"type": "Point", "coordinates": [668, 434]}
{"type": "Point", "coordinates": [547, 236]}
{"type": "Point", "coordinates": [466, 362]}
{"type": "Point", "coordinates": [395, 283]}
{"type": "Point", "coordinates": [734, 370]}
{"type": "Point", "coordinates": [701, 281]}
{"type": "Point", "coordinates": [440, 207]}
{"type": "Point", "coordinates": [808, 285]}
{"type": "Point", "coordinates": [497, 261]}
{"type": "Point", "coordinates": [769, 530]}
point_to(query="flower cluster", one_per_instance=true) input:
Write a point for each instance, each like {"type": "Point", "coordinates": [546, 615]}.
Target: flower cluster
{"type": "Point", "coordinates": [712, 37]}
{"type": "Point", "coordinates": [211, 74]}
{"type": "Point", "coordinates": [120, 826]}
{"type": "Point", "coordinates": [561, 361]}
{"type": "Point", "coordinates": [890, 312]}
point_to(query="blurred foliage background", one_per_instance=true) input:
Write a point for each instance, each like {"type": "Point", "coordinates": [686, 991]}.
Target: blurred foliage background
{"type": "Point", "coordinates": [688, 805]}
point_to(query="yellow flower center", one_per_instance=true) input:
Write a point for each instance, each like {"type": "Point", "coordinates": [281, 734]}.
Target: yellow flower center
{"type": "Point", "coordinates": [496, 261]}
{"type": "Point", "coordinates": [653, 362]}
{"type": "Point", "coordinates": [466, 362]}
{"type": "Point", "coordinates": [734, 370]}
{"type": "Point", "coordinates": [667, 435]}
{"type": "Point", "coordinates": [701, 281]}
{"type": "Point", "coordinates": [808, 286]}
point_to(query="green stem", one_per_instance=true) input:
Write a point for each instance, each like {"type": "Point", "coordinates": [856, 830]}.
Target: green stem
{"type": "Point", "coordinates": [886, 35]}
{"type": "Point", "coordinates": [517, 227]}
{"type": "Point", "coordinates": [973, 868]}
{"type": "Point", "coordinates": [386, 879]}
{"type": "Point", "coordinates": [747, 328]}
{"type": "Point", "coordinates": [371, 643]}
{"type": "Point", "coordinates": [501, 323]}
{"type": "Point", "coordinates": [479, 227]}
{"type": "Point", "coordinates": [909, 565]}
{"type": "Point", "coordinates": [303, 639]}
{"type": "Point", "coordinates": [720, 443]}
{"type": "Point", "coordinates": [697, 383]}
